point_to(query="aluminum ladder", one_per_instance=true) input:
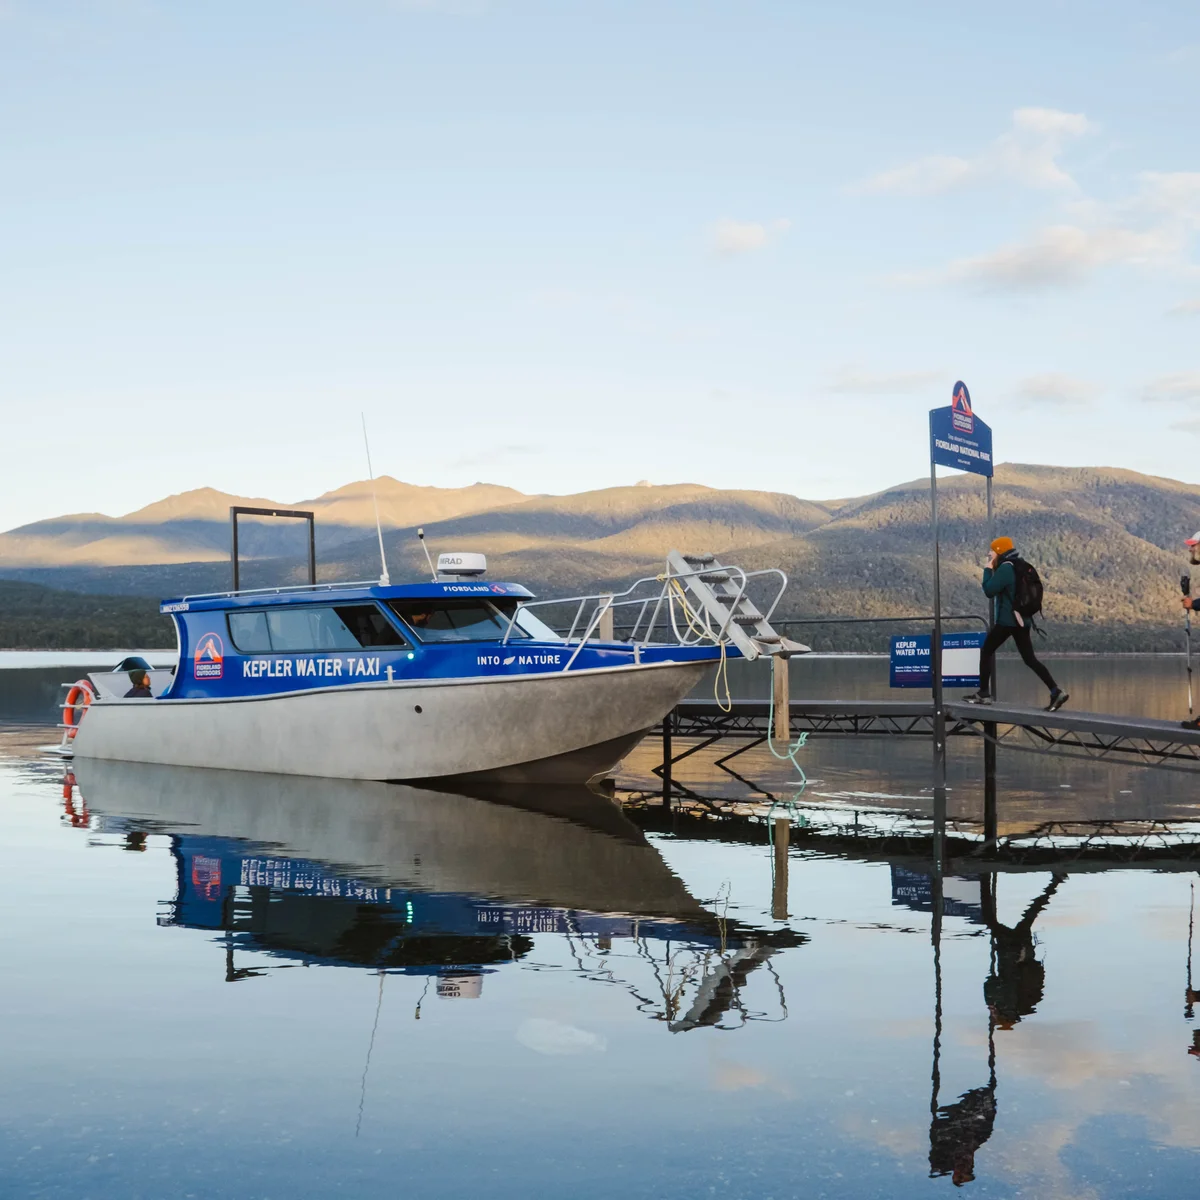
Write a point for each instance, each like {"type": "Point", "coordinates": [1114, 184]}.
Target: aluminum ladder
{"type": "Point", "coordinates": [721, 592]}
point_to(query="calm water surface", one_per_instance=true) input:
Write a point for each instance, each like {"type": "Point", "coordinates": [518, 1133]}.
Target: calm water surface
{"type": "Point", "coordinates": [248, 986]}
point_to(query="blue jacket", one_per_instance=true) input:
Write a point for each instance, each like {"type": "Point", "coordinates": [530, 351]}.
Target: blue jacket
{"type": "Point", "coordinates": [1001, 585]}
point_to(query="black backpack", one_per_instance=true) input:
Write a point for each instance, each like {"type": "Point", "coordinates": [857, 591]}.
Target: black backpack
{"type": "Point", "coordinates": [1027, 595]}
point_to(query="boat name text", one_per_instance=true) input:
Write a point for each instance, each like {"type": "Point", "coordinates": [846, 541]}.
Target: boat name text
{"type": "Point", "coordinates": [277, 668]}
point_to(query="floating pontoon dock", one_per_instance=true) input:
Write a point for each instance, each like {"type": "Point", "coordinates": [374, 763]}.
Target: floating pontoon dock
{"type": "Point", "coordinates": [1098, 735]}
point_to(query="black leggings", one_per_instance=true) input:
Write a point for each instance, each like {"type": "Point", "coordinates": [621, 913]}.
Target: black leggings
{"type": "Point", "coordinates": [1024, 639]}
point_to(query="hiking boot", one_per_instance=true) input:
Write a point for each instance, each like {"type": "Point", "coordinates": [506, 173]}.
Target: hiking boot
{"type": "Point", "coordinates": [977, 698]}
{"type": "Point", "coordinates": [1192, 723]}
{"type": "Point", "coordinates": [1057, 699]}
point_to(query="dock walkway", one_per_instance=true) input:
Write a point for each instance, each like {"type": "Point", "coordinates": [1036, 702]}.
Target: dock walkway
{"type": "Point", "coordinates": [1095, 734]}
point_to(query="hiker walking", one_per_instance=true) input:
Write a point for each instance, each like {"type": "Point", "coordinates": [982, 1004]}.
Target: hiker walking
{"type": "Point", "coordinates": [1190, 606]}
{"type": "Point", "coordinates": [1005, 575]}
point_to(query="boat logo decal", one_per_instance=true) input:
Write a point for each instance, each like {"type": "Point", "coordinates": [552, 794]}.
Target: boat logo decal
{"type": "Point", "coordinates": [209, 659]}
{"type": "Point", "coordinates": [206, 876]}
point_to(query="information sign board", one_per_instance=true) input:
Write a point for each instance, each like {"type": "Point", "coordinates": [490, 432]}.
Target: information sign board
{"type": "Point", "coordinates": [958, 438]}
{"type": "Point", "coordinates": [960, 660]}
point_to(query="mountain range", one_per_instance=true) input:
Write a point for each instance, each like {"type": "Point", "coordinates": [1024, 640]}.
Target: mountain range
{"type": "Point", "coordinates": [1108, 542]}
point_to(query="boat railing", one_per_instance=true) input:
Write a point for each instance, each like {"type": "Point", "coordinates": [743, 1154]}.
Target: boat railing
{"type": "Point", "coordinates": [656, 603]}
{"type": "Point", "coordinates": [272, 591]}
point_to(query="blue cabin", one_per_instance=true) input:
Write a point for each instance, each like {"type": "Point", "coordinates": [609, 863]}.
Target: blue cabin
{"type": "Point", "coordinates": [242, 644]}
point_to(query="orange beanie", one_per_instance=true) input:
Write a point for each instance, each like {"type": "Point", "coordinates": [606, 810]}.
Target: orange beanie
{"type": "Point", "coordinates": [1002, 545]}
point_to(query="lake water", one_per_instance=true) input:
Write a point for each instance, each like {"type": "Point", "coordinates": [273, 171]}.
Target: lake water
{"type": "Point", "coordinates": [226, 985]}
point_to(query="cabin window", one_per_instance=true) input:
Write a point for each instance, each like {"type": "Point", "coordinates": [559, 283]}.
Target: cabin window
{"type": "Point", "coordinates": [305, 628]}
{"type": "Point", "coordinates": [457, 620]}
{"type": "Point", "coordinates": [248, 631]}
{"type": "Point", "coordinates": [369, 625]}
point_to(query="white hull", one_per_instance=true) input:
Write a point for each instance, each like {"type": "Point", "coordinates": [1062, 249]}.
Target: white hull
{"type": "Point", "coordinates": [561, 727]}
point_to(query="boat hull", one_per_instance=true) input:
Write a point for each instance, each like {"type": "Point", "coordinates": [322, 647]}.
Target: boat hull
{"type": "Point", "coordinates": [568, 726]}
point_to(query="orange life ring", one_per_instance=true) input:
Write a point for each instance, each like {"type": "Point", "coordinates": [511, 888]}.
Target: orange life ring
{"type": "Point", "coordinates": [76, 705]}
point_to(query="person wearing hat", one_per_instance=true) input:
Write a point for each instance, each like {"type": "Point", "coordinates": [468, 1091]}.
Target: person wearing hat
{"type": "Point", "coordinates": [141, 685]}
{"type": "Point", "coordinates": [1000, 584]}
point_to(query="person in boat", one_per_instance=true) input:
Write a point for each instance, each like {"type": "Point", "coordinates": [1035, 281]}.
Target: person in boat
{"type": "Point", "coordinates": [141, 685]}
{"type": "Point", "coordinates": [1000, 584]}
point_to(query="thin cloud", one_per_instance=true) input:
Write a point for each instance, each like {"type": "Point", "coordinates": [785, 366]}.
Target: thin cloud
{"type": "Point", "coordinates": [1027, 153]}
{"type": "Point", "coordinates": [728, 237]}
{"type": "Point", "coordinates": [1192, 426]}
{"type": "Point", "coordinates": [851, 381]}
{"type": "Point", "coordinates": [1058, 256]}
{"type": "Point", "coordinates": [1182, 387]}
{"type": "Point", "coordinates": [1189, 308]}
{"type": "Point", "coordinates": [1154, 227]}
{"type": "Point", "coordinates": [1054, 390]}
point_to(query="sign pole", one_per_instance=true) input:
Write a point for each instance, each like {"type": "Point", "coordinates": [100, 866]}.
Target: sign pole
{"type": "Point", "coordinates": [935, 671]}
{"type": "Point", "coordinates": [957, 439]}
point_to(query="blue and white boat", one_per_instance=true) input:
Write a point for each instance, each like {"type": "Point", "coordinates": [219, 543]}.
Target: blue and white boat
{"type": "Point", "coordinates": [451, 678]}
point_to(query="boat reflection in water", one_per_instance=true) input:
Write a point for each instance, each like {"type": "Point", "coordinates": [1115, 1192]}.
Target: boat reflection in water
{"type": "Point", "coordinates": [402, 879]}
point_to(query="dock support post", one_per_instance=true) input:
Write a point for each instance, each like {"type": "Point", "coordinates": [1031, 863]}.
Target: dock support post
{"type": "Point", "coordinates": [604, 629]}
{"type": "Point", "coordinates": [666, 767]}
{"type": "Point", "coordinates": [781, 693]}
{"type": "Point", "coordinates": [781, 830]}
{"type": "Point", "coordinates": [989, 785]}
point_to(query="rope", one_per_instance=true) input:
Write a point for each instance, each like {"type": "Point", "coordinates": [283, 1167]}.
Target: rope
{"type": "Point", "coordinates": [790, 752]}
{"type": "Point", "coordinates": [698, 625]}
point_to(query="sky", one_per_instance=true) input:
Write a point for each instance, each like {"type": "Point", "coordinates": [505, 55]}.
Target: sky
{"type": "Point", "coordinates": [564, 245]}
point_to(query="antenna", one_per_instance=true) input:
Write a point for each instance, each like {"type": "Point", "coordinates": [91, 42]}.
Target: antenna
{"type": "Point", "coordinates": [384, 578]}
{"type": "Point", "coordinates": [421, 535]}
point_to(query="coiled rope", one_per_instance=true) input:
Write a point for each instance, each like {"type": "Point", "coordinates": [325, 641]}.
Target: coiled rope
{"type": "Point", "coordinates": [697, 624]}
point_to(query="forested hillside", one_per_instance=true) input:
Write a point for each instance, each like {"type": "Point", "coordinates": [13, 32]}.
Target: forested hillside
{"type": "Point", "coordinates": [40, 618]}
{"type": "Point", "coordinates": [1109, 544]}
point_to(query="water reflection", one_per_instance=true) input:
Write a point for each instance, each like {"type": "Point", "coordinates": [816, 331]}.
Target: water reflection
{"type": "Point", "coordinates": [447, 981]}
{"type": "Point", "coordinates": [417, 882]}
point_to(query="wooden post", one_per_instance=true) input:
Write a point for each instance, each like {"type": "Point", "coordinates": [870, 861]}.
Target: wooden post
{"type": "Point", "coordinates": [666, 763]}
{"type": "Point", "coordinates": [605, 628]}
{"type": "Point", "coordinates": [779, 890]}
{"type": "Point", "coordinates": [782, 731]}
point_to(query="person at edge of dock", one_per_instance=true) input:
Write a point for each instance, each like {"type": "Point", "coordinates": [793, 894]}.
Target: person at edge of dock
{"type": "Point", "coordinates": [1000, 584]}
{"type": "Point", "coordinates": [1189, 603]}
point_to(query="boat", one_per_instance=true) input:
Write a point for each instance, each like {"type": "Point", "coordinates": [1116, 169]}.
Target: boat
{"type": "Point", "coordinates": [458, 677]}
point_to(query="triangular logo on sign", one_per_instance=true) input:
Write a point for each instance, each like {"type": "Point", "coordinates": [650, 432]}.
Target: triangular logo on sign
{"type": "Point", "coordinates": [962, 416]}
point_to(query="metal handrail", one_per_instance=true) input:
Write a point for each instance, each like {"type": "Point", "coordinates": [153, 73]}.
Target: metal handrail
{"type": "Point", "coordinates": [292, 587]}
{"type": "Point", "coordinates": [607, 601]}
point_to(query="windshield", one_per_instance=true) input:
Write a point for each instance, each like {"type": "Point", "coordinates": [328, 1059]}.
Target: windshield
{"type": "Point", "coordinates": [536, 627]}
{"type": "Point", "coordinates": [457, 620]}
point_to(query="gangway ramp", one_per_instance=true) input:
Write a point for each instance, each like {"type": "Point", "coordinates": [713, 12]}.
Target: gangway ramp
{"type": "Point", "coordinates": [1098, 735]}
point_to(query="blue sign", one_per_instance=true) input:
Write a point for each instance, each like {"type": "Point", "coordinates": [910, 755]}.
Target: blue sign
{"type": "Point", "coordinates": [958, 438]}
{"type": "Point", "coordinates": [960, 660]}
